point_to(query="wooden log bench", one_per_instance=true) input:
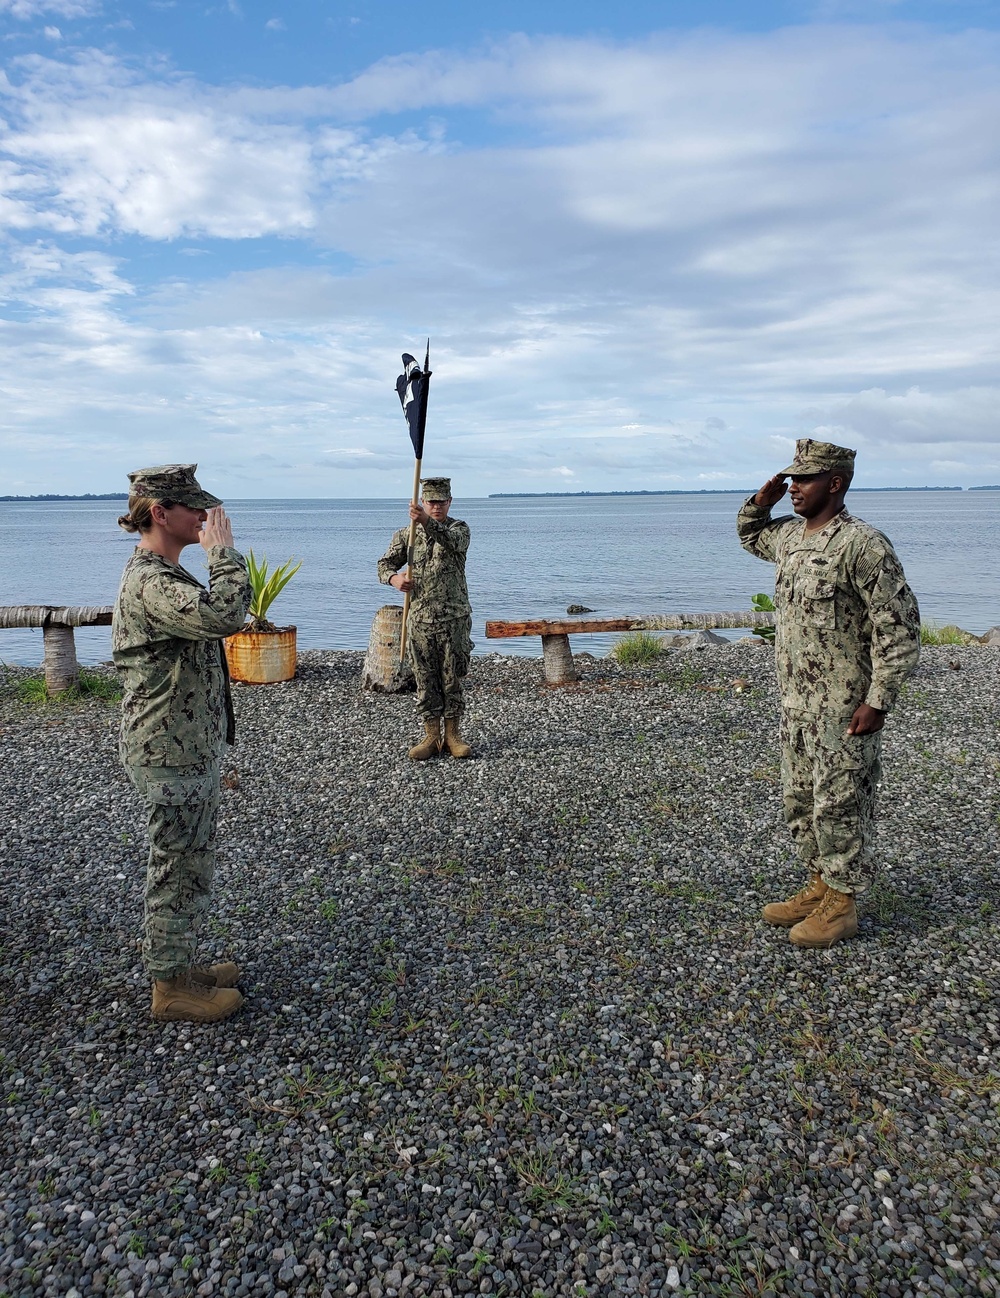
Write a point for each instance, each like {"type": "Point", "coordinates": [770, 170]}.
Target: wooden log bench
{"type": "Point", "coordinates": [57, 622]}
{"type": "Point", "coordinates": [557, 658]}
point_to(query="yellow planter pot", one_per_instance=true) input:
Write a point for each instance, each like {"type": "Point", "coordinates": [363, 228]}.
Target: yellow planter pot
{"type": "Point", "coordinates": [261, 657]}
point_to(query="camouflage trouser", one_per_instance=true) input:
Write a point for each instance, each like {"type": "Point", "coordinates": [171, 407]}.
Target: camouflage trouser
{"type": "Point", "coordinates": [439, 657]}
{"type": "Point", "coordinates": [182, 802]}
{"type": "Point", "coordinates": [829, 780]}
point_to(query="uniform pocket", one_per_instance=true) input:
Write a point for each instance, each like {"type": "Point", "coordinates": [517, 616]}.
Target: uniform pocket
{"type": "Point", "coordinates": [462, 646]}
{"type": "Point", "coordinates": [175, 786]}
{"type": "Point", "coordinates": [837, 748]}
{"type": "Point", "coordinates": [856, 752]}
{"type": "Point", "coordinates": [817, 600]}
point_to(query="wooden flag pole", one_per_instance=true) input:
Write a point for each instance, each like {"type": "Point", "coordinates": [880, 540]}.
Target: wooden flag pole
{"type": "Point", "coordinates": [411, 539]}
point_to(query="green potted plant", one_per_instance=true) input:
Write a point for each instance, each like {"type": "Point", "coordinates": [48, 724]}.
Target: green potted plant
{"type": "Point", "coordinates": [261, 653]}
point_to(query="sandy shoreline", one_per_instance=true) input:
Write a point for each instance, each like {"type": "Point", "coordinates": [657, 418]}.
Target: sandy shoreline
{"type": "Point", "coordinates": [513, 1025]}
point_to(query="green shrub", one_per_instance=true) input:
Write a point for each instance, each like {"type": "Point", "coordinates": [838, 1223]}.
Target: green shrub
{"type": "Point", "coordinates": [763, 604]}
{"type": "Point", "coordinates": [637, 649]}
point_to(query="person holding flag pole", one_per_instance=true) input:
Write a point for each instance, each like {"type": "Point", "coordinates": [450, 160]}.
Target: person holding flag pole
{"type": "Point", "coordinates": [437, 619]}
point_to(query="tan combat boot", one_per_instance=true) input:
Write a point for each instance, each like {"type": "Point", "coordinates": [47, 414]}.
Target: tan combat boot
{"type": "Point", "coordinates": [835, 918]}
{"type": "Point", "coordinates": [453, 741]}
{"type": "Point", "coordinates": [224, 974]}
{"type": "Point", "coordinates": [430, 745]}
{"type": "Point", "coordinates": [184, 999]}
{"type": "Point", "coordinates": [797, 908]}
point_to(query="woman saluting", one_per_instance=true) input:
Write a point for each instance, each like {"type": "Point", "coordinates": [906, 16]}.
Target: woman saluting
{"type": "Point", "coordinates": [176, 715]}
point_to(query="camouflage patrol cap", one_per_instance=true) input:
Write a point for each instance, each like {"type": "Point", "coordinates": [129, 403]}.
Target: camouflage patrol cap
{"type": "Point", "coordinates": [819, 457]}
{"type": "Point", "coordinates": [174, 482]}
{"type": "Point", "coordinates": [435, 488]}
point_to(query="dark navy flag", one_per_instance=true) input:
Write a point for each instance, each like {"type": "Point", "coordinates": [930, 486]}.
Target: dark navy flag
{"type": "Point", "coordinates": [412, 387]}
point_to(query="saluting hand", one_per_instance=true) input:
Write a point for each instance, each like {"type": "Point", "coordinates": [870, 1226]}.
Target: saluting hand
{"type": "Point", "coordinates": [771, 492]}
{"type": "Point", "coordinates": [218, 530]}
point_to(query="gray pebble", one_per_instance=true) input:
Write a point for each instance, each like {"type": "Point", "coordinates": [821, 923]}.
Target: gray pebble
{"type": "Point", "coordinates": [513, 1025]}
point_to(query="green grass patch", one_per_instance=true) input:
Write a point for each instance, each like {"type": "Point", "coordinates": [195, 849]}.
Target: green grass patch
{"type": "Point", "coordinates": [683, 674]}
{"type": "Point", "coordinates": [886, 905]}
{"type": "Point", "coordinates": [91, 685]}
{"type": "Point", "coordinates": [546, 1189]}
{"type": "Point", "coordinates": [32, 690]}
{"type": "Point", "coordinates": [637, 649]}
{"type": "Point", "coordinates": [931, 633]}
{"type": "Point", "coordinates": [681, 891]}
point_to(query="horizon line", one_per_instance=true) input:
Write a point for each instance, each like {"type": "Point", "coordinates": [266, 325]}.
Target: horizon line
{"type": "Point", "coordinates": [55, 497]}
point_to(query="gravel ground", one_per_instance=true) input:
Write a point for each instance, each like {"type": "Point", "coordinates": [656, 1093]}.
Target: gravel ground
{"type": "Point", "coordinates": [513, 1025]}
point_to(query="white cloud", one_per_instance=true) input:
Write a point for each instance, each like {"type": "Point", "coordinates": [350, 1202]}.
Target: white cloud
{"type": "Point", "coordinates": [151, 160]}
{"type": "Point", "coordinates": [28, 9]}
{"type": "Point", "coordinates": [646, 264]}
{"type": "Point", "coordinates": [915, 418]}
{"type": "Point", "coordinates": [93, 149]}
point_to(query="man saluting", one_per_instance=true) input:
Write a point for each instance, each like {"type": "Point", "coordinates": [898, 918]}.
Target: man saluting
{"type": "Point", "coordinates": [847, 636]}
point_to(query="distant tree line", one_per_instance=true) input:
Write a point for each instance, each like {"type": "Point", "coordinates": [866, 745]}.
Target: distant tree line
{"type": "Point", "coordinates": [90, 495]}
{"type": "Point", "coordinates": [701, 491]}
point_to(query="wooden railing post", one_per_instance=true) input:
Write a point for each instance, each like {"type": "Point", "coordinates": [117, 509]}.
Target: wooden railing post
{"type": "Point", "coordinates": [557, 660]}
{"type": "Point", "coordinates": [62, 671]}
{"type": "Point", "coordinates": [57, 622]}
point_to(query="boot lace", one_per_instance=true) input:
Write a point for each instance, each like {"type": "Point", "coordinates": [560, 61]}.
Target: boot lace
{"type": "Point", "coordinates": [828, 901]}
{"type": "Point", "coordinates": [808, 890]}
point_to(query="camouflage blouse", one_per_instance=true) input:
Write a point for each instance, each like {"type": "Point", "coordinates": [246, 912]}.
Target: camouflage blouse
{"type": "Point", "coordinates": [848, 627]}
{"type": "Point", "coordinates": [439, 590]}
{"type": "Point", "coordinates": [166, 641]}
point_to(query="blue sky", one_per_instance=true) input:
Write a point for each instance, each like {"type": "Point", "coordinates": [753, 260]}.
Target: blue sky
{"type": "Point", "coordinates": [652, 244]}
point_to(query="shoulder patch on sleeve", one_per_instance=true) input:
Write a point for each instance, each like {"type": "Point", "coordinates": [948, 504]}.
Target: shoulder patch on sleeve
{"type": "Point", "coordinates": [869, 563]}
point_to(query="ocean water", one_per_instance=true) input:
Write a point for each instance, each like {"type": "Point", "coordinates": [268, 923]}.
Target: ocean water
{"type": "Point", "coordinates": [529, 557]}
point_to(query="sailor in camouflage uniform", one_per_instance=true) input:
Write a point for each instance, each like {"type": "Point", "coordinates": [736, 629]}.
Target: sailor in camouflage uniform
{"type": "Point", "coordinates": [847, 636]}
{"type": "Point", "coordinates": [439, 624]}
{"type": "Point", "coordinates": [176, 715]}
